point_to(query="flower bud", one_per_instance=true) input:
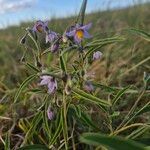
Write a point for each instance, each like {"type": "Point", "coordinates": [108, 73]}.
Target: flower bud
{"type": "Point", "coordinates": [97, 55]}
{"type": "Point", "coordinates": [88, 86]}
{"type": "Point", "coordinates": [64, 38]}
{"type": "Point", "coordinates": [23, 39]}
{"type": "Point", "coordinates": [50, 113]}
{"type": "Point", "coordinates": [68, 85]}
{"type": "Point", "coordinates": [54, 47]}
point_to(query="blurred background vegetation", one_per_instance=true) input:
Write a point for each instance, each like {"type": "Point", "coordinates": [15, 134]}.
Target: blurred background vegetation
{"type": "Point", "coordinates": [117, 58]}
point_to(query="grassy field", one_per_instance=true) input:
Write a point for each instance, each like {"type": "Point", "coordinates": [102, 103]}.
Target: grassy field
{"type": "Point", "coordinates": [105, 24]}
{"type": "Point", "coordinates": [123, 65]}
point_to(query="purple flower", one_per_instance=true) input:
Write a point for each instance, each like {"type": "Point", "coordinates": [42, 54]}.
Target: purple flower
{"type": "Point", "coordinates": [79, 32]}
{"type": "Point", "coordinates": [50, 82]}
{"type": "Point", "coordinates": [97, 55]}
{"type": "Point", "coordinates": [88, 86]}
{"type": "Point", "coordinates": [54, 47]}
{"type": "Point", "coordinates": [50, 113]}
{"type": "Point", "coordinates": [40, 26]}
{"type": "Point", "coordinates": [51, 36]}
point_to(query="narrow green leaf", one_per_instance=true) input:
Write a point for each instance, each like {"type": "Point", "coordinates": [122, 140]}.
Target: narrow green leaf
{"type": "Point", "coordinates": [117, 143]}
{"type": "Point", "coordinates": [146, 80]}
{"type": "Point", "coordinates": [33, 127]}
{"type": "Point", "coordinates": [118, 96]}
{"type": "Point", "coordinates": [32, 67]}
{"type": "Point", "coordinates": [80, 18]}
{"type": "Point", "coordinates": [100, 43]}
{"type": "Point", "coordinates": [83, 118]}
{"type": "Point", "coordinates": [141, 33]}
{"type": "Point", "coordinates": [83, 8]}
{"type": "Point", "coordinates": [77, 109]}
{"type": "Point", "coordinates": [7, 142]}
{"type": "Point", "coordinates": [58, 131]}
{"type": "Point", "coordinates": [105, 87]}
{"type": "Point", "coordinates": [87, 120]}
{"type": "Point", "coordinates": [23, 85]}
{"type": "Point", "coordinates": [89, 97]}
{"type": "Point", "coordinates": [138, 132]}
{"type": "Point", "coordinates": [34, 147]}
{"type": "Point", "coordinates": [144, 109]}
{"type": "Point", "coordinates": [62, 63]}
{"type": "Point", "coordinates": [135, 66]}
{"type": "Point", "coordinates": [45, 118]}
{"type": "Point", "coordinates": [36, 90]}
{"type": "Point", "coordinates": [106, 40]}
{"type": "Point", "coordinates": [64, 127]}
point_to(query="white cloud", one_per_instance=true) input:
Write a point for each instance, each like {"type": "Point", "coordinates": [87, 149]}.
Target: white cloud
{"type": "Point", "coordinates": [14, 5]}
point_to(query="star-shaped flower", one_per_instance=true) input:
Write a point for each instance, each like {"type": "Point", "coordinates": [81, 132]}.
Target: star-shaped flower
{"type": "Point", "coordinates": [40, 26]}
{"type": "Point", "coordinates": [79, 32]}
{"type": "Point", "coordinates": [50, 82]}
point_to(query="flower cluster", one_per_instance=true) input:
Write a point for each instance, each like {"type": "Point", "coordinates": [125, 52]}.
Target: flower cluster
{"type": "Point", "coordinates": [74, 34]}
{"type": "Point", "coordinates": [51, 36]}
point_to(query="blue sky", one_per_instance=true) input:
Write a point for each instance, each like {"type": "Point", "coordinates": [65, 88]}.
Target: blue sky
{"type": "Point", "coordinates": [16, 11]}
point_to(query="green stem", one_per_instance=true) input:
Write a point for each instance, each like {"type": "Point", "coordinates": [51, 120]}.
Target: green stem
{"type": "Point", "coordinates": [65, 128]}
{"type": "Point", "coordinates": [50, 74]}
{"type": "Point", "coordinates": [128, 116]}
{"type": "Point", "coordinates": [36, 45]}
{"type": "Point", "coordinates": [137, 65]}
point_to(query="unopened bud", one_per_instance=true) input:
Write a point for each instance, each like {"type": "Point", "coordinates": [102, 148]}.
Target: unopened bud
{"type": "Point", "coordinates": [54, 47]}
{"type": "Point", "coordinates": [88, 86]}
{"type": "Point", "coordinates": [23, 39]}
{"type": "Point", "coordinates": [64, 38]}
{"type": "Point", "coordinates": [68, 84]}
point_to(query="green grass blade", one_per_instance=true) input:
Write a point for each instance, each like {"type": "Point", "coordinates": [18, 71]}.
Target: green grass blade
{"type": "Point", "coordinates": [141, 33]}
{"type": "Point", "coordinates": [87, 120]}
{"type": "Point", "coordinates": [34, 147]}
{"type": "Point", "coordinates": [83, 117]}
{"type": "Point", "coordinates": [35, 69]}
{"type": "Point", "coordinates": [138, 132]}
{"type": "Point", "coordinates": [118, 96]}
{"type": "Point", "coordinates": [33, 127]}
{"type": "Point", "coordinates": [45, 118]}
{"type": "Point", "coordinates": [81, 13]}
{"type": "Point", "coordinates": [58, 131]}
{"type": "Point", "coordinates": [117, 143]}
{"type": "Point", "coordinates": [104, 87]}
{"type": "Point", "coordinates": [89, 97]}
{"type": "Point", "coordinates": [144, 109]}
{"type": "Point", "coordinates": [62, 63]}
{"type": "Point", "coordinates": [77, 110]}
{"type": "Point", "coordinates": [106, 40]}
{"type": "Point", "coordinates": [83, 8]}
{"type": "Point", "coordinates": [23, 85]}
{"type": "Point", "coordinates": [7, 142]}
{"type": "Point", "coordinates": [100, 43]}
